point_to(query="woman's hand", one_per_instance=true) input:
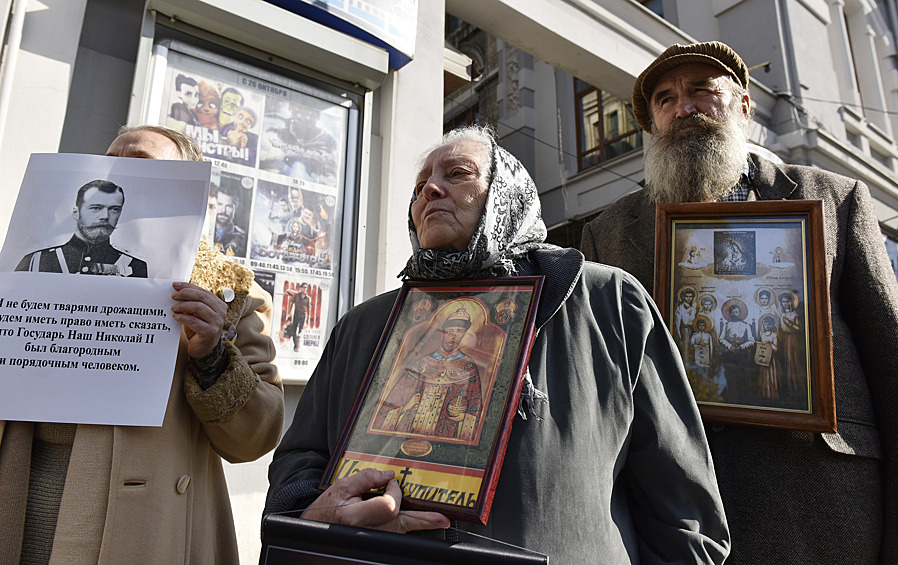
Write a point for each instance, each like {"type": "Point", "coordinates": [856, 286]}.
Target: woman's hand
{"type": "Point", "coordinates": [202, 314]}
{"type": "Point", "coordinates": [342, 503]}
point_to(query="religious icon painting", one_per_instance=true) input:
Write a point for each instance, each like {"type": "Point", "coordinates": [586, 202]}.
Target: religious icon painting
{"type": "Point", "coordinates": [734, 253]}
{"type": "Point", "coordinates": [441, 392]}
{"type": "Point", "coordinates": [505, 311]}
{"type": "Point", "coordinates": [421, 309]}
{"type": "Point", "coordinates": [742, 288]}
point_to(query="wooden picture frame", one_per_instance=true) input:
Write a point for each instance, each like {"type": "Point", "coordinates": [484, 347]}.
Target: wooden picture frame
{"type": "Point", "coordinates": [440, 394]}
{"type": "Point", "coordinates": [742, 287]}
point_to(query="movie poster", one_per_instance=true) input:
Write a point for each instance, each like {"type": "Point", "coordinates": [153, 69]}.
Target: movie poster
{"type": "Point", "coordinates": [275, 204]}
{"type": "Point", "coordinates": [300, 315]}
{"type": "Point", "coordinates": [222, 117]}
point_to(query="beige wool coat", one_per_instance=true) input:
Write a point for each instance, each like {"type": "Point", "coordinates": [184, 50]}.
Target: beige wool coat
{"type": "Point", "coordinates": [158, 495]}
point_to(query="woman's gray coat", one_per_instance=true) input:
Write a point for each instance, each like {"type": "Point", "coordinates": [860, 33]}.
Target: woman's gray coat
{"type": "Point", "coordinates": [617, 471]}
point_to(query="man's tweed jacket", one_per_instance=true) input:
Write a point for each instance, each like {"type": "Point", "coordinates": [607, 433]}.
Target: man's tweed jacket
{"type": "Point", "coordinates": [790, 496]}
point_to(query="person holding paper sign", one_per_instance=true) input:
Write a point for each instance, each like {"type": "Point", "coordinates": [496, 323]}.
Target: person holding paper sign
{"type": "Point", "coordinates": [78, 494]}
{"type": "Point", "coordinates": [612, 467]}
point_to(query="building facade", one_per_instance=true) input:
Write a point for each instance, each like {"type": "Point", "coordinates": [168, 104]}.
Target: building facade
{"type": "Point", "coordinates": [824, 88]}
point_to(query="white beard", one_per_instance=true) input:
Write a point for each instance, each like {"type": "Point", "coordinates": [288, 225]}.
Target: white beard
{"type": "Point", "coordinates": [696, 159]}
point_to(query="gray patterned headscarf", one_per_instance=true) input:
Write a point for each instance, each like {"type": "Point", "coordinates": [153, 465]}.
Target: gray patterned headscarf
{"type": "Point", "coordinates": [510, 227]}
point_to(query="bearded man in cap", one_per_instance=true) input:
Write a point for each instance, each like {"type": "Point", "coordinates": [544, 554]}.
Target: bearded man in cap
{"type": "Point", "coordinates": [790, 496]}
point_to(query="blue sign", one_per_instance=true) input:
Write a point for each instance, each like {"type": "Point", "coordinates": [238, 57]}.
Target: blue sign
{"type": "Point", "coordinates": [390, 24]}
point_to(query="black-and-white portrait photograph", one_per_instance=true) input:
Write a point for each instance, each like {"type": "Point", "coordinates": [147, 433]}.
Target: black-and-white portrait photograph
{"type": "Point", "coordinates": [108, 216]}
{"type": "Point", "coordinates": [96, 212]}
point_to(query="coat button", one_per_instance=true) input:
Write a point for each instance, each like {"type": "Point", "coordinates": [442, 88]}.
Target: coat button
{"type": "Point", "coordinates": [183, 483]}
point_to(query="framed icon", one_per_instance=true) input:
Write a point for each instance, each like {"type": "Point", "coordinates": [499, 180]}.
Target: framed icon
{"type": "Point", "coordinates": [742, 287]}
{"type": "Point", "coordinates": [440, 394]}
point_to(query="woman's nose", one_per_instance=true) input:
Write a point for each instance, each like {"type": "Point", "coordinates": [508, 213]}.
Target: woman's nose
{"type": "Point", "coordinates": [433, 189]}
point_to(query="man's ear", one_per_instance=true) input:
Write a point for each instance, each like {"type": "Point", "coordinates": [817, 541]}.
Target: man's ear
{"type": "Point", "coordinates": [746, 105]}
{"type": "Point", "coordinates": [75, 212]}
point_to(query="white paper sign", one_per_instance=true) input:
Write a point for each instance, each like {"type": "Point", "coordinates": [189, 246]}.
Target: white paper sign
{"type": "Point", "coordinates": [96, 349]}
{"type": "Point", "coordinates": [101, 357]}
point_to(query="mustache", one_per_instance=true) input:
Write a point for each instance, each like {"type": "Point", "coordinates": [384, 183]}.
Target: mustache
{"type": "Point", "coordinates": [98, 225]}
{"type": "Point", "coordinates": [97, 231]}
{"type": "Point", "coordinates": [696, 124]}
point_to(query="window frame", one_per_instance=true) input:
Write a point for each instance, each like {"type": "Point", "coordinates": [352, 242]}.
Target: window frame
{"type": "Point", "coordinates": [584, 154]}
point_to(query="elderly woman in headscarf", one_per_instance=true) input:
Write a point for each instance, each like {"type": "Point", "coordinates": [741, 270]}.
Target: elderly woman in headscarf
{"type": "Point", "coordinates": [614, 466]}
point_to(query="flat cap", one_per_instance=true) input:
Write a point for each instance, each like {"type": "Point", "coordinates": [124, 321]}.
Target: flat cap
{"type": "Point", "coordinates": [712, 53]}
